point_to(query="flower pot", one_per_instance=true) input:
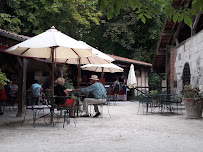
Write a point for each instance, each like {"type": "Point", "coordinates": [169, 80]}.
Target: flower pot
{"type": "Point", "coordinates": [193, 107]}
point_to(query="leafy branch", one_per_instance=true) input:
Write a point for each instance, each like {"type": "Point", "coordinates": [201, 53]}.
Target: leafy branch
{"type": "Point", "coordinates": [146, 8]}
{"type": "Point", "coordinates": [3, 78]}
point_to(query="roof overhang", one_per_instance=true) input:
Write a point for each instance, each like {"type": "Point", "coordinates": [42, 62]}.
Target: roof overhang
{"type": "Point", "coordinates": [166, 41]}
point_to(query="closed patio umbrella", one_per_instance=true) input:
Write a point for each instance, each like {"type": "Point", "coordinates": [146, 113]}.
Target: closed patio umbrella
{"type": "Point", "coordinates": [132, 81]}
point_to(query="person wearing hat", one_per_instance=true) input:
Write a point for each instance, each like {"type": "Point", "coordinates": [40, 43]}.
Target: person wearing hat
{"type": "Point", "coordinates": [99, 95]}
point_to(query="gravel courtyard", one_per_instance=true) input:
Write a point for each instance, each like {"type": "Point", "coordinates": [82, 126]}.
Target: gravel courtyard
{"type": "Point", "coordinates": [124, 131]}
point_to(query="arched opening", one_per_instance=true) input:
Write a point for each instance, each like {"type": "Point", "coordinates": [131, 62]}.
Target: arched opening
{"type": "Point", "coordinates": [186, 74]}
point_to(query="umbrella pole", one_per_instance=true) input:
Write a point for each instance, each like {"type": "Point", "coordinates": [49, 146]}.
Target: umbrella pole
{"type": "Point", "coordinates": [78, 67]}
{"type": "Point", "coordinates": [102, 74]}
{"type": "Point", "coordinates": [79, 73]}
{"type": "Point", "coordinates": [52, 86]}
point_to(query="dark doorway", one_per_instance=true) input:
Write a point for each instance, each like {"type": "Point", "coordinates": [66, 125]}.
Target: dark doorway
{"type": "Point", "coordinates": [186, 74]}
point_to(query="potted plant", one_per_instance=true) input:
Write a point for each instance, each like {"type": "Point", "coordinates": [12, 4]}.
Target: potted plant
{"type": "Point", "coordinates": [193, 100]}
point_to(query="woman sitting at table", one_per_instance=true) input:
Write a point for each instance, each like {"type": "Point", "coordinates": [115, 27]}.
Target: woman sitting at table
{"type": "Point", "coordinates": [62, 92]}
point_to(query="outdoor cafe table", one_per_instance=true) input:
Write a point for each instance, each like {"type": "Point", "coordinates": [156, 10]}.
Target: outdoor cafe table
{"type": "Point", "coordinates": [159, 100]}
{"type": "Point", "coordinates": [38, 110]}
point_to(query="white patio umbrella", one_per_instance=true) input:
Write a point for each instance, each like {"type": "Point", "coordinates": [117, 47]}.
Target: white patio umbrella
{"type": "Point", "coordinates": [132, 81]}
{"type": "Point", "coordinates": [112, 68]}
{"type": "Point", "coordinates": [51, 44]}
{"type": "Point", "coordinates": [99, 58]}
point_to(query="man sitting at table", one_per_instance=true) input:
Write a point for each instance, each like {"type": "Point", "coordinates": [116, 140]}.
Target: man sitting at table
{"type": "Point", "coordinates": [99, 95]}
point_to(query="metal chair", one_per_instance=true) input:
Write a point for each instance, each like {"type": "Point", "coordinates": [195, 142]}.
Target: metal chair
{"type": "Point", "coordinates": [65, 110]}
{"type": "Point", "coordinates": [38, 111]}
{"type": "Point", "coordinates": [177, 102]}
{"type": "Point", "coordinates": [144, 102]}
{"type": "Point", "coordinates": [165, 103]}
{"type": "Point", "coordinates": [101, 108]}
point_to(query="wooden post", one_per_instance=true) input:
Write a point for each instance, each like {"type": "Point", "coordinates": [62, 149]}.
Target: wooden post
{"type": "Point", "coordinates": [52, 86]}
{"type": "Point", "coordinates": [23, 78]}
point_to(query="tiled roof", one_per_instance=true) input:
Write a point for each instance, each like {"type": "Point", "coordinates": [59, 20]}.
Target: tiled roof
{"type": "Point", "coordinates": [118, 58]}
{"type": "Point", "coordinates": [12, 35]}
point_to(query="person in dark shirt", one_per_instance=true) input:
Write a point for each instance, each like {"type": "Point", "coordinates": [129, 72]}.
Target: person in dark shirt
{"type": "Point", "coordinates": [124, 86]}
{"type": "Point", "coordinates": [116, 89]}
{"type": "Point", "coordinates": [62, 92]}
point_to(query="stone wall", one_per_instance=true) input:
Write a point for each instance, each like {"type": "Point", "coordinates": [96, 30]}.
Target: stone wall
{"type": "Point", "coordinates": [190, 51]}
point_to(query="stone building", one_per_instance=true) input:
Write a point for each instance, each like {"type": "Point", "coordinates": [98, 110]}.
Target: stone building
{"type": "Point", "coordinates": [188, 62]}
{"type": "Point", "coordinates": [179, 53]}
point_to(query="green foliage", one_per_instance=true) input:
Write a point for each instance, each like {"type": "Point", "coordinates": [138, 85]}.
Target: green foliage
{"type": "Point", "coordinates": [190, 92]}
{"type": "Point", "coordinates": [154, 80]}
{"type": "Point", "coordinates": [146, 8]}
{"type": "Point", "coordinates": [153, 93]}
{"type": "Point", "coordinates": [130, 37]}
{"type": "Point", "coordinates": [9, 23]}
{"type": "Point", "coordinates": [124, 36]}
{"type": "Point", "coordinates": [68, 16]}
{"type": "Point", "coordinates": [3, 78]}
{"type": "Point", "coordinates": [68, 82]}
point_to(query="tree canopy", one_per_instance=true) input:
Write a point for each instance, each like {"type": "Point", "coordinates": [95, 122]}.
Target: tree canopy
{"type": "Point", "coordinates": [145, 9]}
{"type": "Point", "coordinates": [127, 36]}
{"type": "Point", "coordinates": [124, 35]}
{"type": "Point", "coordinates": [32, 17]}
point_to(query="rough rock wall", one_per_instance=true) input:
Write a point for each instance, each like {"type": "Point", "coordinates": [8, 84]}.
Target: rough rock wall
{"type": "Point", "coordinates": [190, 51]}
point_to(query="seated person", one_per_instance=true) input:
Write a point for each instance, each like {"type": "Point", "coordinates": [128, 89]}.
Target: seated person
{"type": "Point", "coordinates": [2, 98]}
{"type": "Point", "coordinates": [13, 92]}
{"type": "Point", "coordinates": [61, 91]}
{"type": "Point", "coordinates": [36, 91]}
{"type": "Point", "coordinates": [99, 95]}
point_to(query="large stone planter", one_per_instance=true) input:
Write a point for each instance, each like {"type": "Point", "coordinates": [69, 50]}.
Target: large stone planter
{"type": "Point", "coordinates": [193, 108]}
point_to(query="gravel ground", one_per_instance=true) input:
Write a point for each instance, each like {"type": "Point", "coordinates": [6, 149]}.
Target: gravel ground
{"type": "Point", "coordinates": [124, 131]}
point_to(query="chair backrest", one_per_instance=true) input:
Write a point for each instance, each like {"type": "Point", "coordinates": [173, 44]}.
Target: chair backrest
{"type": "Point", "coordinates": [144, 99]}
{"type": "Point", "coordinates": [165, 97]}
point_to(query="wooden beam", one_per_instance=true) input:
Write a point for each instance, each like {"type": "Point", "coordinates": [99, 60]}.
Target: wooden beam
{"type": "Point", "coordinates": [176, 40]}
{"type": "Point", "coordinates": [194, 25]}
{"type": "Point", "coordinates": [169, 46]}
{"type": "Point", "coordinates": [161, 53]}
{"type": "Point", "coordinates": [196, 20]}
{"type": "Point", "coordinates": [180, 25]}
{"type": "Point", "coordinates": [162, 49]}
{"type": "Point", "coordinates": [168, 32]}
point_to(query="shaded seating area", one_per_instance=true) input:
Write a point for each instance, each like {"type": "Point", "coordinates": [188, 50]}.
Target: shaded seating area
{"type": "Point", "coordinates": [42, 110]}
